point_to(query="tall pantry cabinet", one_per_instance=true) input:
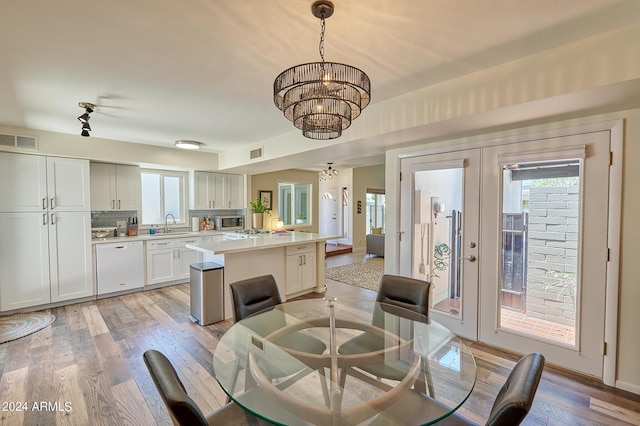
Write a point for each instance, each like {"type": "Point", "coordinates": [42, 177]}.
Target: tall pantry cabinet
{"type": "Point", "coordinates": [45, 228]}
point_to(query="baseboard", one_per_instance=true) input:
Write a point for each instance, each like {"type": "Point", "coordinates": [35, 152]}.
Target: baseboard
{"type": "Point", "coordinates": [629, 387]}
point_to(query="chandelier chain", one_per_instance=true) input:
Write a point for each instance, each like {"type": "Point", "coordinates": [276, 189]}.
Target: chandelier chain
{"type": "Point", "coordinates": [321, 46]}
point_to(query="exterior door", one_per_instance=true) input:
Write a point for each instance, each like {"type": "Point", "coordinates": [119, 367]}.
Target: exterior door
{"type": "Point", "coordinates": [439, 233]}
{"type": "Point", "coordinates": [544, 248]}
{"type": "Point", "coordinates": [329, 207]}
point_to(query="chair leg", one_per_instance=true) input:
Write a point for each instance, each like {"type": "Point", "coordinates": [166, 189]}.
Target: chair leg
{"type": "Point", "coordinates": [425, 380]}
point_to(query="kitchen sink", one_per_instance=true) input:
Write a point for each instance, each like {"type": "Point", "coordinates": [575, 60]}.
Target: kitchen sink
{"type": "Point", "coordinates": [169, 234]}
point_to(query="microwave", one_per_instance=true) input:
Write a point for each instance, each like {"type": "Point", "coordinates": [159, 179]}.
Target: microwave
{"type": "Point", "coordinates": [229, 223]}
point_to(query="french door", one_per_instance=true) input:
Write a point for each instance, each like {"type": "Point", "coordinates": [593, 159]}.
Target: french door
{"type": "Point", "coordinates": [514, 240]}
{"type": "Point", "coordinates": [440, 237]}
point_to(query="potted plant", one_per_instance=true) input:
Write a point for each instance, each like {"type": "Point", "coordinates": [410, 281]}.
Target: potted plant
{"type": "Point", "coordinates": [258, 208]}
{"type": "Point", "coordinates": [301, 218]}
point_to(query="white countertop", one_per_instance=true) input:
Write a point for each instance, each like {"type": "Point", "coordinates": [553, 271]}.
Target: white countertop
{"type": "Point", "coordinates": [161, 236]}
{"type": "Point", "coordinates": [260, 242]}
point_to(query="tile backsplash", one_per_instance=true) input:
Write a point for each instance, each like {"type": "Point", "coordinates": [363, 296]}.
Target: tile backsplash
{"type": "Point", "coordinates": [109, 219]}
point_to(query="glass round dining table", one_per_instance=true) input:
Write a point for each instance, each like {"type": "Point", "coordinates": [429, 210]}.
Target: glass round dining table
{"type": "Point", "coordinates": [344, 362]}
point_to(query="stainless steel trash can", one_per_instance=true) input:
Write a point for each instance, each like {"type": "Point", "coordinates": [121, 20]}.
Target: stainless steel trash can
{"type": "Point", "coordinates": [207, 293]}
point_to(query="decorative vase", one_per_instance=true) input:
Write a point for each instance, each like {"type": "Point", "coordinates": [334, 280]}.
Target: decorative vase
{"type": "Point", "coordinates": [257, 220]}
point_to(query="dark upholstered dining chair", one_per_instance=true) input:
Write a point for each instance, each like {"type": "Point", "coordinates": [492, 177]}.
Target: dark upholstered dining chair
{"type": "Point", "coordinates": [182, 409]}
{"type": "Point", "coordinates": [408, 293]}
{"type": "Point", "coordinates": [257, 294]}
{"type": "Point", "coordinates": [511, 406]}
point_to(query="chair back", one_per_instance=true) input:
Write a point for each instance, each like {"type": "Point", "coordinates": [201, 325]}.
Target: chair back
{"type": "Point", "coordinates": [253, 295]}
{"type": "Point", "coordinates": [516, 396]}
{"type": "Point", "coordinates": [182, 408]}
{"type": "Point", "coordinates": [408, 293]}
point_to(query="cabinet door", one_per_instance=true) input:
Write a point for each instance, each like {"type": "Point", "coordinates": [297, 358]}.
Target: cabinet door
{"type": "Point", "coordinates": [160, 265]}
{"type": "Point", "coordinates": [293, 271]}
{"type": "Point", "coordinates": [23, 183]}
{"type": "Point", "coordinates": [202, 199]}
{"type": "Point", "coordinates": [128, 187]}
{"type": "Point", "coordinates": [184, 258]}
{"type": "Point", "coordinates": [103, 186]}
{"type": "Point", "coordinates": [24, 260]}
{"type": "Point", "coordinates": [235, 191]}
{"type": "Point", "coordinates": [68, 184]}
{"type": "Point", "coordinates": [308, 271]}
{"type": "Point", "coordinates": [70, 255]}
{"type": "Point", "coordinates": [219, 182]}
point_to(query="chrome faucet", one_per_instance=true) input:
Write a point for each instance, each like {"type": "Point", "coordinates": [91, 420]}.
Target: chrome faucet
{"type": "Point", "coordinates": [166, 220]}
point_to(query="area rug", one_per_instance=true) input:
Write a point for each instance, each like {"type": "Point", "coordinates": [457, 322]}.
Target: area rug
{"type": "Point", "coordinates": [364, 275]}
{"type": "Point", "coordinates": [15, 326]}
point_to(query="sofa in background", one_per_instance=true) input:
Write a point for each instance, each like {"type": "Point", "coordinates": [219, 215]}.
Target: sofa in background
{"type": "Point", "coordinates": [375, 244]}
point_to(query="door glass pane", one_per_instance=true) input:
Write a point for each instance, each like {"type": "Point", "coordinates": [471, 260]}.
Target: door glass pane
{"type": "Point", "coordinates": [539, 254]}
{"type": "Point", "coordinates": [437, 236]}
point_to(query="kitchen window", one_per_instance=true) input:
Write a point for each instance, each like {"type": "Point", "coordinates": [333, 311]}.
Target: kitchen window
{"type": "Point", "coordinates": [294, 203]}
{"type": "Point", "coordinates": [164, 192]}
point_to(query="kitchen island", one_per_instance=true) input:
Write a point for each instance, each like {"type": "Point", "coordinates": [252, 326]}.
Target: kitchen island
{"type": "Point", "coordinates": [295, 259]}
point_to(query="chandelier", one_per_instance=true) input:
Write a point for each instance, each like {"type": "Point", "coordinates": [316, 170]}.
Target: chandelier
{"type": "Point", "coordinates": [322, 98]}
{"type": "Point", "coordinates": [328, 173]}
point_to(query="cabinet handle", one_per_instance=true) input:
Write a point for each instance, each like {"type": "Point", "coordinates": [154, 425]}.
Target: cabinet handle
{"type": "Point", "coordinates": [113, 204]}
{"type": "Point", "coordinates": [299, 260]}
{"type": "Point", "coordinates": [213, 204]}
{"type": "Point", "coordinates": [305, 259]}
{"type": "Point", "coordinates": [53, 203]}
{"type": "Point", "coordinates": [118, 204]}
{"type": "Point", "coordinates": [53, 219]}
{"type": "Point", "coordinates": [44, 204]}
{"type": "Point", "coordinates": [44, 218]}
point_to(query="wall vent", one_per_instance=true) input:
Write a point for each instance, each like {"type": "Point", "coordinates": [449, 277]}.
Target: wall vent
{"type": "Point", "coordinates": [255, 153]}
{"type": "Point", "coordinates": [20, 142]}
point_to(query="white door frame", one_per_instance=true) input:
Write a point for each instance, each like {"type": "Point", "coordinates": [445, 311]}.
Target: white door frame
{"type": "Point", "coordinates": [616, 127]}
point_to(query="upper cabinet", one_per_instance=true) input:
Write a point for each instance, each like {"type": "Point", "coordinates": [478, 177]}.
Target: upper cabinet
{"type": "Point", "coordinates": [217, 191]}
{"type": "Point", "coordinates": [37, 183]}
{"type": "Point", "coordinates": [115, 187]}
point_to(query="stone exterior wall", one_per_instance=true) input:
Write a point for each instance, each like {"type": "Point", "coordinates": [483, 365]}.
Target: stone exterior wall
{"type": "Point", "coordinates": [552, 260]}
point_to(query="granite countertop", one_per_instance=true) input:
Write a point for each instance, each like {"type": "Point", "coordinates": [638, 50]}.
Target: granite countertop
{"type": "Point", "coordinates": [260, 242]}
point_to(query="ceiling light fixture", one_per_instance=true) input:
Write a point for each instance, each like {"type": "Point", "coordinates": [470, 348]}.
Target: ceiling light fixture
{"type": "Point", "coordinates": [84, 118]}
{"type": "Point", "coordinates": [188, 144]}
{"type": "Point", "coordinates": [328, 173]}
{"type": "Point", "coordinates": [322, 98]}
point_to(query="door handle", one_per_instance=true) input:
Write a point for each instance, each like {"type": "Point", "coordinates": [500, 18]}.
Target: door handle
{"type": "Point", "coordinates": [470, 258]}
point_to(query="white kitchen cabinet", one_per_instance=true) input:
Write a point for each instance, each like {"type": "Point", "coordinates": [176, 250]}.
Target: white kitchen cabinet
{"type": "Point", "coordinates": [169, 260]}
{"type": "Point", "coordinates": [70, 255]}
{"type": "Point", "coordinates": [217, 191]}
{"type": "Point", "coordinates": [38, 183]}
{"type": "Point", "coordinates": [208, 190]}
{"type": "Point", "coordinates": [300, 268]}
{"type": "Point", "coordinates": [234, 191]}
{"type": "Point", "coordinates": [115, 187]}
{"type": "Point", "coordinates": [24, 260]}
{"type": "Point", "coordinates": [44, 257]}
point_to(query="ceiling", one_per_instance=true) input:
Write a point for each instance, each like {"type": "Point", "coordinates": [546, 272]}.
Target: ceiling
{"type": "Point", "coordinates": [163, 70]}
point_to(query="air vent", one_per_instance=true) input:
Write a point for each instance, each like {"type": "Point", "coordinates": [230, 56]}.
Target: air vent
{"type": "Point", "coordinates": [255, 153]}
{"type": "Point", "coordinates": [21, 142]}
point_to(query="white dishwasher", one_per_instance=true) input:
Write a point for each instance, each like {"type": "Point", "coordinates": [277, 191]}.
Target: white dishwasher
{"type": "Point", "coordinates": [119, 266]}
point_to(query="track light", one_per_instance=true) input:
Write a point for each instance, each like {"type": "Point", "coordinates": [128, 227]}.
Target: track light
{"type": "Point", "coordinates": [84, 118]}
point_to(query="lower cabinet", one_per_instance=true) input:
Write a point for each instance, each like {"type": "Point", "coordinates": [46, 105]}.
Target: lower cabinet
{"type": "Point", "coordinates": [169, 260]}
{"type": "Point", "coordinates": [44, 258]}
{"type": "Point", "coordinates": [300, 268]}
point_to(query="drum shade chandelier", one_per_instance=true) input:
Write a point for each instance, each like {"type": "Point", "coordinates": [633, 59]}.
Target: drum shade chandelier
{"type": "Point", "coordinates": [322, 98]}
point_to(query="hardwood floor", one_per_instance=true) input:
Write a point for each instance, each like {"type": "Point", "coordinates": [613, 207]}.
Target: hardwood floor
{"type": "Point", "coordinates": [87, 368]}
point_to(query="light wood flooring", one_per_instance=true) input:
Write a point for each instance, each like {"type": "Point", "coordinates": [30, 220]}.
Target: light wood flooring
{"type": "Point", "coordinates": [87, 368]}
